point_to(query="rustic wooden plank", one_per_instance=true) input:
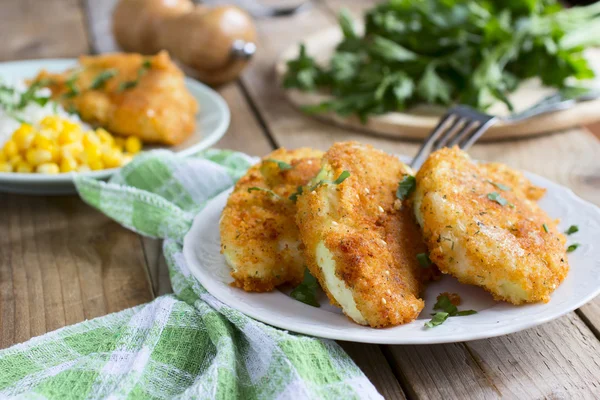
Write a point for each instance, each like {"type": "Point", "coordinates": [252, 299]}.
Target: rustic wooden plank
{"type": "Point", "coordinates": [60, 261]}
{"type": "Point", "coordinates": [42, 29]}
{"type": "Point", "coordinates": [481, 369]}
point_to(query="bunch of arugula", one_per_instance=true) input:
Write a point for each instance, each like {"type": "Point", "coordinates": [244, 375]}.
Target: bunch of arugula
{"type": "Point", "coordinates": [448, 51]}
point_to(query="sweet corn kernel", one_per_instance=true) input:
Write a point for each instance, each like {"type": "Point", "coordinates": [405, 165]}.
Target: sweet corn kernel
{"type": "Point", "coordinates": [90, 140]}
{"type": "Point", "coordinates": [23, 136]}
{"type": "Point", "coordinates": [91, 154]}
{"type": "Point", "coordinates": [68, 164]}
{"type": "Point", "coordinates": [3, 157]}
{"type": "Point", "coordinates": [47, 168]}
{"type": "Point", "coordinates": [133, 145]}
{"type": "Point", "coordinates": [23, 167]}
{"type": "Point", "coordinates": [42, 140]}
{"type": "Point", "coordinates": [6, 167]}
{"type": "Point", "coordinates": [69, 136]}
{"type": "Point", "coordinates": [10, 148]}
{"type": "Point", "coordinates": [104, 136]}
{"type": "Point", "coordinates": [38, 156]}
{"type": "Point", "coordinates": [52, 122]}
{"type": "Point", "coordinates": [112, 158]}
{"type": "Point", "coordinates": [14, 160]}
{"type": "Point", "coordinates": [71, 150]}
{"type": "Point", "coordinates": [96, 165]}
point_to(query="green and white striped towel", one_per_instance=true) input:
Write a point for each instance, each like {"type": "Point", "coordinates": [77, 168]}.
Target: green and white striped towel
{"type": "Point", "coordinates": [186, 345]}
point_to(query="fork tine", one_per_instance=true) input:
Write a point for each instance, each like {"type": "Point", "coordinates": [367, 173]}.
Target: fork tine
{"type": "Point", "coordinates": [464, 132]}
{"type": "Point", "coordinates": [433, 136]}
{"type": "Point", "coordinates": [452, 133]}
{"type": "Point", "coordinates": [476, 134]}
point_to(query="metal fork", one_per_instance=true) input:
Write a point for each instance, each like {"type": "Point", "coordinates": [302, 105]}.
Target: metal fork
{"type": "Point", "coordinates": [461, 126]}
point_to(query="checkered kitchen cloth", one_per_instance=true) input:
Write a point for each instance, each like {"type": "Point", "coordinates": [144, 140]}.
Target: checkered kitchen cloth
{"type": "Point", "coordinates": [186, 345]}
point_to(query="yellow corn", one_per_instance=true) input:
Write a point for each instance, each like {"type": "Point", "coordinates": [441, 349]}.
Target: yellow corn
{"type": "Point", "coordinates": [6, 167]}
{"type": "Point", "coordinates": [23, 136]}
{"type": "Point", "coordinates": [133, 145]}
{"type": "Point", "coordinates": [23, 167]}
{"type": "Point", "coordinates": [38, 156]}
{"type": "Point", "coordinates": [68, 164]}
{"type": "Point", "coordinates": [10, 148]}
{"type": "Point", "coordinates": [60, 145]}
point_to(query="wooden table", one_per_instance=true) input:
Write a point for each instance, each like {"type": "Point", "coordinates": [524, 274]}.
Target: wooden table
{"type": "Point", "coordinates": [62, 262]}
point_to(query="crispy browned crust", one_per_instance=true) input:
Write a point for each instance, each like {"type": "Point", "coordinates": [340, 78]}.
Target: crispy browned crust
{"type": "Point", "coordinates": [259, 236]}
{"type": "Point", "coordinates": [374, 243]}
{"type": "Point", "coordinates": [501, 243]}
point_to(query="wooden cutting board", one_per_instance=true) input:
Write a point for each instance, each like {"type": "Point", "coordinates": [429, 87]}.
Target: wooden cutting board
{"type": "Point", "coordinates": [417, 122]}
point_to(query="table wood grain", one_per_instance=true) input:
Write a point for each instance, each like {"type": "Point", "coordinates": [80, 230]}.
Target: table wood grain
{"type": "Point", "coordinates": [62, 262]}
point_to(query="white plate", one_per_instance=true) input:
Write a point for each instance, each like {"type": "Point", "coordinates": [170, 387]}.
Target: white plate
{"type": "Point", "coordinates": [211, 124]}
{"type": "Point", "coordinates": [202, 254]}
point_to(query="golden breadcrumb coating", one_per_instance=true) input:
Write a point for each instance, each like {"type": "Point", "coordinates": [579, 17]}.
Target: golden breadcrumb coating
{"type": "Point", "coordinates": [360, 243]}
{"type": "Point", "coordinates": [259, 237]}
{"type": "Point", "coordinates": [514, 250]}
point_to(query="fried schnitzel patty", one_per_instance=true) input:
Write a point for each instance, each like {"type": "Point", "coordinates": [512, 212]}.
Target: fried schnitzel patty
{"type": "Point", "coordinates": [359, 242]}
{"type": "Point", "coordinates": [259, 237]}
{"type": "Point", "coordinates": [482, 225]}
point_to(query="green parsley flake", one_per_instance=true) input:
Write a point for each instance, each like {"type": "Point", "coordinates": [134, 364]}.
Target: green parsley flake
{"type": "Point", "coordinates": [146, 65]}
{"type": "Point", "coordinates": [306, 292]}
{"type": "Point", "coordinates": [424, 260]}
{"type": "Point", "coordinates": [573, 247]}
{"type": "Point", "coordinates": [495, 196]}
{"type": "Point", "coordinates": [281, 164]}
{"type": "Point", "coordinates": [272, 193]}
{"type": "Point", "coordinates": [572, 229]}
{"type": "Point", "coordinates": [499, 186]}
{"type": "Point", "coordinates": [406, 187]}
{"type": "Point", "coordinates": [448, 310]}
{"type": "Point", "coordinates": [102, 78]}
{"type": "Point", "coordinates": [343, 176]}
{"type": "Point", "coordinates": [438, 319]}
{"type": "Point", "coordinates": [545, 227]}
{"type": "Point", "coordinates": [294, 196]}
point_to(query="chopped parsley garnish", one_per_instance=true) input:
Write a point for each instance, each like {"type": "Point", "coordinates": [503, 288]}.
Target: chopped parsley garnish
{"type": "Point", "coordinates": [281, 164]}
{"type": "Point", "coordinates": [424, 260]}
{"type": "Point", "coordinates": [306, 292]}
{"type": "Point", "coordinates": [545, 227]}
{"type": "Point", "coordinates": [343, 176]}
{"type": "Point", "coordinates": [146, 65]}
{"type": "Point", "coordinates": [499, 186]}
{"type": "Point", "coordinates": [272, 193]}
{"type": "Point", "coordinates": [102, 78]}
{"type": "Point", "coordinates": [572, 247]}
{"type": "Point", "coordinates": [495, 196]}
{"type": "Point", "coordinates": [448, 310]}
{"type": "Point", "coordinates": [71, 85]}
{"type": "Point", "coordinates": [572, 229]}
{"type": "Point", "coordinates": [438, 319]}
{"type": "Point", "coordinates": [294, 196]}
{"type": "Point", "coordinates": [406, 187]}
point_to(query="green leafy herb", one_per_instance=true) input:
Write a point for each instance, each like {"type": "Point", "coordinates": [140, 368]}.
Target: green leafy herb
{"type": "Point", "coordinates": [448, 309]}
{"type": "Point", "coordinates": [406, 187]}
{"type": "Point", "coordinates": [499, 186]}
{"type": "Point", "coordinates": [71, 84]}
{"type": "Point", "coordinates": [424, 260]}
{"type": "Point", "coordinates": [341, 178]}
{"type": "Point", "coordinates": [102, 78]}
{"type": "Point", "coordinates": [281, 164]}
{"type": "Point", "coordinates": [294, 196]}
{"type": "Point", "coordinates": [272, 193]}
{"type": "Point", "coordinates": [495, 196]}
{"type": "Point", "coordinates": [438, 319]}
{"type": "Point", "coordinates": [572, 229]}
{"type": "Point", "coordinates": [442, 52]}
{"type": "Point", "coordinates": [545, 227]}
{"type": "Point", "coordinates": [306, 292]}
{"type": "Point", "coordinates": [146, 65]}
{"type": "Point", "coordinates": [572, 247]}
